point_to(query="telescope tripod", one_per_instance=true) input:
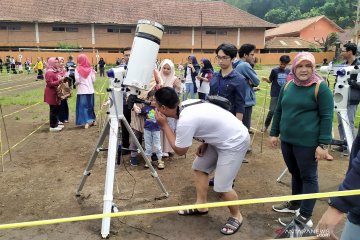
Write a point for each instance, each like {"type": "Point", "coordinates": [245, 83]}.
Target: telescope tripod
{"type": "Point", "coordinates": [112, 129]}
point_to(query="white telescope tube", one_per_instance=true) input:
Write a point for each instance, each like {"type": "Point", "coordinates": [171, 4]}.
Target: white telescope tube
{"type": "Point", "coordinates": [144, 51]}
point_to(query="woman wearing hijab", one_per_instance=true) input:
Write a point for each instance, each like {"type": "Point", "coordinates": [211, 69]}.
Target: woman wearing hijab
{"type": "Point", "coordinates": [53, 79]}
{"type": "Point", "coordinates": [191, 71]}
{"type": "Point", "coordinates": [64, 108]}
{"type": "Point", "coordinates": [167, 74]}
{"type": "Point", "coordinates": [303, 119]}
{"type": "Point", "coordinates": [85, 102]}
{"type": "Point", "coordinates": [204, 77]}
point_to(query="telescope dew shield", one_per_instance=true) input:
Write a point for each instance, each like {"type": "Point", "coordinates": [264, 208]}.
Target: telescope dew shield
{"type": "Point", "coordinates": [144, 51]}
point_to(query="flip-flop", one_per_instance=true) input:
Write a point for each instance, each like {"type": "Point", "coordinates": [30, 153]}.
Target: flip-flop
{"type": "Point", "coordinates": [189, 212]}
{"type": "Point", "coordinates": [231, 224]}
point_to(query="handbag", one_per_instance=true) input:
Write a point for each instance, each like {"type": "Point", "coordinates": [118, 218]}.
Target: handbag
{"type": "Point", "coordinates": [63, 90]}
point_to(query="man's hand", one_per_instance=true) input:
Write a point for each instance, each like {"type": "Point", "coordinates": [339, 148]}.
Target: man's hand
{"type": "Point", "coordinates": [265, 79]}
{"type": "Point", "coordinates": [274, 141]}
{"type": "Point", "coordinates": [201, 149]}
{"type": "Point", "coordinates": [160, 118]}
{"type": "Point", "coordinates": [327, 223]}
{"type": "Point", "coordinates": [321, 153]}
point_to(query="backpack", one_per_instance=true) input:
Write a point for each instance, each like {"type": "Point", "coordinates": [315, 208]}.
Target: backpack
{"type": "Point", "coordinates": [63, 90]}
{"type": "Point", "coordinates": [316, 88]}
{"type": "Point", "coordinates": [214, 99]}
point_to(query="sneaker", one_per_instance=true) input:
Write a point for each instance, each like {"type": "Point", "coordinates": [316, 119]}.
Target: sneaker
{"type": "Point", "coordinates": [286, 220]}
{"type": "Point", "coordinates": [211, 181]}
{"type": "Point", "coordinates": [55, 129]}
{"type": "Point", "coordinates": [286, 207]}
{"type": "Point", "coordinates": [165, 155]}
{"type": "Point", "coordinates": [61, 126]}
{"type": "Point", "coordinates": [146, 165]}
{"type": "Point", "coordinates": [161, 164]}
{"type": "Point", "coordinates": [264, 129]}
{"type": "Point", "coordinates": [154, 157]}
{"type": "Point", "coordinates": [134, 161]}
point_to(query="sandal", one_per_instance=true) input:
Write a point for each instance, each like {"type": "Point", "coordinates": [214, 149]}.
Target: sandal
{"type": "Point", "coordinates": [189, 212]}
{"type": "Point", "coordinates": [231, 226]}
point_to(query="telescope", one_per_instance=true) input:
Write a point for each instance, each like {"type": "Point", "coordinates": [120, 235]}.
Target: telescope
{"type": "Point", "coordinates": [344, 79]}
{"type": "Point", "coordinates": [127, 81]}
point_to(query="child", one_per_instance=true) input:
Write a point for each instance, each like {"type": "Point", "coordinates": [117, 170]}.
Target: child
{"type": "Point", "coordinates": [277, 78]}
{"type": "Point", "coordinates": [152, 132]}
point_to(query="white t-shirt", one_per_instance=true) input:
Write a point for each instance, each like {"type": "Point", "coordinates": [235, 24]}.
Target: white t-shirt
{"type": "Point", "coordinates": [205, 86]}
{"type": "Point", "coordinates": [188, 78]}
{"type": "Point", "coordinates": [211, 124]}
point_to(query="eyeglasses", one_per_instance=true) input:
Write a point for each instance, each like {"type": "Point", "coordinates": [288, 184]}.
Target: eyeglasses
{"type": "Point", "coordinates": [220, 58]}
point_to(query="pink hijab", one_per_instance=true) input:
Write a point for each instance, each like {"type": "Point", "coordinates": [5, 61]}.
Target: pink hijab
{"type": "Point", "coordinates": [51, 64]}
{"type": "Point", "coordinates": [314, 78]}
{"type": "Point", "coordinates": [84, 67]}
{"type": "Point", "coordinates": [168, 79]}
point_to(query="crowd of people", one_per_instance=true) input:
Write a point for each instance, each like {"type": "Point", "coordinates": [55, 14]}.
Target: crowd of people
{"type": "Point", "coordinates": [300, 99]}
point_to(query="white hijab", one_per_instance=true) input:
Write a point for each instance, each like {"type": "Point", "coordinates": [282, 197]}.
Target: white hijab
{"type": "Point", "coordinates": [169, 79]}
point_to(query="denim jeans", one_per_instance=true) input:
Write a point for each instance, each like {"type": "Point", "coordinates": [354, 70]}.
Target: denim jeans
{"type": "Point", "coordinates": [189, 88]}
{"type": "Point", "coordinates": [247, 117]}
{"type": "Point", "coordinates": [351, 111]}
{"type": "Point", "coordinates": [351, 231]}
{"type": "Point", "coordinates": [273, 103]}
{"type": "Point", "coordinates": [302, 165]}
{"type": "Point", "coordinates": [133, 146]}
{"type": "Point", "coordinates": [152, 142]}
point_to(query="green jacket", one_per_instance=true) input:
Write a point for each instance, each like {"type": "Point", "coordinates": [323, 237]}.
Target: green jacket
{"type": "Point", "coordinates": [300, 118]}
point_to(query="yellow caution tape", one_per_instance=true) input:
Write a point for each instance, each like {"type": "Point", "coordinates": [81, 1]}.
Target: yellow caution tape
{"type": "Point", "coordinates": [23, 139]}
{"type": "Point", "coordinates": [176, 208]}
{"type": "Point", "coordinates": [7, 115]}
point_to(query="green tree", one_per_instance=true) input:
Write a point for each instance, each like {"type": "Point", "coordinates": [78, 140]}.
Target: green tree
{"type": "Point", "coordinates": [342, 12]}
{"type": "Point", "coordinates": [276, 15]}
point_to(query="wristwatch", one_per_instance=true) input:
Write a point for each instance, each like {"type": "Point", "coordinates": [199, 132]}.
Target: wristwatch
{"type": "Point", "coordinates": [324, 146]}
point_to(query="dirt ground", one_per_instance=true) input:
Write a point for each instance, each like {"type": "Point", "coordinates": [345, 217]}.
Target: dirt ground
{"type": "Point", "coordinates": [40, 181]}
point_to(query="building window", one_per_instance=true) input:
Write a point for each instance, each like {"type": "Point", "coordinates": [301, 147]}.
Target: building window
{"type": "Point", "coordinates": [173, 32]}
{"type": "Point", "coordinates": [118, 30]}
{"type": "Point", "coordinates": [14, 28]}
{"type": "Point", "coordinates": [216, 32]}
{"type": "Point", "coordinates": [72, 29]}
{"type": "Point", "coordinates": [210, 32]}
{"type": "Point", "coordinates": [221, 32]}
{"type": "Point", "coordinates": [10, 27]}
{"type": "Point", "coordinates": [125, 30]}
{"type": "Point", "coordinates": [65, 29]}
{"type": "Point", "coordinates": [58, 29]}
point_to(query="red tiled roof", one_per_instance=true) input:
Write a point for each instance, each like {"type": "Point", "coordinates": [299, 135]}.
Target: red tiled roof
{"type": "Point", "coordinates": [289, 43]}
{"type": "Point", "coordinates": [128, 12]}
{"type": "Point", "coordinates": [297, 26]}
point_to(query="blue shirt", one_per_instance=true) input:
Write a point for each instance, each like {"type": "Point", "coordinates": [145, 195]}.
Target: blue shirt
{"type": "Point", "coordinates": [150, 123]}
{"type": "Point", "coordinates": [252, 80]}
{"type": "Point", "coordinates": [232, 87]}
{"type": "Point", "coordinates": [278, 78]}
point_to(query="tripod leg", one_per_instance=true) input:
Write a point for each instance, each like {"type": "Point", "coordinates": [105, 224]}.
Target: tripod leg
{"type": "Point", "coordinates": [93, 157]}
{"type": "Point", "coordinates": [110, 173]}
{"type": "Point", "coordinates": [153, 172]}
{"type": "Point", "coordinates": [282, 175]}
{"type": "Point", "coordinates": [347, 129]}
